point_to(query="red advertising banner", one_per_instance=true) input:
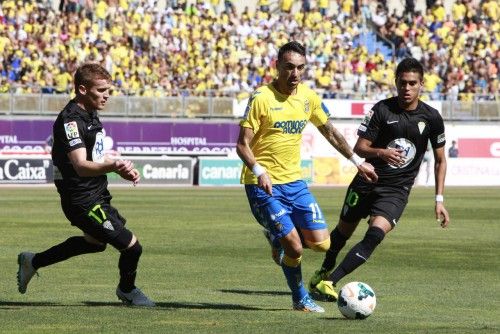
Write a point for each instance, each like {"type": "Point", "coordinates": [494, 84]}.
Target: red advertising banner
{"type": "Point", "coordinates": [361, 108]}
{"type": "Point", "coordinates": [479, 147]}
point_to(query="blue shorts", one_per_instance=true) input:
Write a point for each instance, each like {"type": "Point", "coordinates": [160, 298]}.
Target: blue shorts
{"type": "Point", "coordinates": [292, 205]}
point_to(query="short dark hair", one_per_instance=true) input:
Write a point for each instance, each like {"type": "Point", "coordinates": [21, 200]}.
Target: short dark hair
{"type": "Point", "coordinates": [410, 65]}
{"type": "Point", "coordinates": [88, 72]}
{"type": "Point", "coordinates": [293, 47]}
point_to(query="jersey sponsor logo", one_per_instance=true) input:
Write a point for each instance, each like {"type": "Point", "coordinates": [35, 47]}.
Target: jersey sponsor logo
{"type": "Point", "coordinates": [307, 106]}
{"type": "Point", "coordinates": [421, 127]}
{"type": "Point", "coordinates": [392, 122]}
{"type": "Point", "coordinates": [75, 142]}
{"type": "Point", "coordinates": [98, 150]}
{"type": "Point", "coordinates": [71, 129]}
{"type": "Point", "coordinates": [291, 127]}
{"type": "Point", "coordinates": [276, 108]}
{"type": "Point", "coordinates": [409, 150]}
{"type": "Point", "coordinates": [441, 138]}
{"type": "Point", "coordinates": [362, 128]}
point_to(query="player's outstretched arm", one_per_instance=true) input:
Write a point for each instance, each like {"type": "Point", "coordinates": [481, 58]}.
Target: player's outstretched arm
{"type": "Point", "coordinates": [246, 155]}
{"type": "Point", "coordinates": [337, 140]}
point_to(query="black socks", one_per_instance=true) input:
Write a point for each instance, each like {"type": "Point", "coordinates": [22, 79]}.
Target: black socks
{"type": "Point", "coordinates": [129, 258]}
{"type": "Point", "coordinates": [71, 247]}
{"type": "Point", "coordinates": [359, 254]}
{"type": "Point", "coordinates": [337, 242]}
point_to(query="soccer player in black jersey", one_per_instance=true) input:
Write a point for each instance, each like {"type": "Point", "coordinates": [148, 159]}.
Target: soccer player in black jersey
{"type": "Point", "coordinates": [80, 168]}
{"type": "Point", "coordinates": [393, 138]}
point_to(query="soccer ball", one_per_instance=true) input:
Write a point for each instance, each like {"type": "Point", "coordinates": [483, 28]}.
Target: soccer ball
{"type": "Point", "coordinates": [356, 300]}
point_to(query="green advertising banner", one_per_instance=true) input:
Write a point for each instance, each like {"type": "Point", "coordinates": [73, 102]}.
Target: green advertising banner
{"type": "Point", "coordinates": [226, 172]}
{"type": "Point", "coordinates": [219, 171]}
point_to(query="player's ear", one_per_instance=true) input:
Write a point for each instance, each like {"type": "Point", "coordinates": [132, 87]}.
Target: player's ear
{"type": "Point", "coordinates": [82, 90]}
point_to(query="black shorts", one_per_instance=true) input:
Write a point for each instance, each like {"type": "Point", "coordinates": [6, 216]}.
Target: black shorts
{"type": "Point", "coordinates": [364, 199]}
{"type": "Point", "coordinates": [101, 221]}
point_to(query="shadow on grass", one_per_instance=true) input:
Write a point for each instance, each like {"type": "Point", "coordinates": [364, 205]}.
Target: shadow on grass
{"type": "Point", "coordinates": [170, 305]}
{"type": "Point", "coordinates": [12, 305]}
{"type": "Point", "coordinates": [191, 306]}
{"type": "Point", "coordinates": [254, 292]}
{"type": "Point", "coordinates": [336, 318]}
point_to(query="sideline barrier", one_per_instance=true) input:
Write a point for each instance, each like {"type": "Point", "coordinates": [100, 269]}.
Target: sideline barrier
{"type": "Point", "coordinates": [160, 171]}
{"type": "Point", "coordinates": [216, 171]}
{"type": "Point", "coordinates": [18, 169]}
{"type": "Point", "coordinates": [227, 171]}
{"type": "Point", "coordinates": [153, 170]}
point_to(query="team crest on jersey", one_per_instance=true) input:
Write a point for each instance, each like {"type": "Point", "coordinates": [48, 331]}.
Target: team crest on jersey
{"type": "Point", "coordinates": [421, 127]}
{"type": "Point", "coordinates": [107, 225]}
{"type": "Point", "coordinates": [71, 129]}
{"type": "Point", "coordinates": [306, 106]}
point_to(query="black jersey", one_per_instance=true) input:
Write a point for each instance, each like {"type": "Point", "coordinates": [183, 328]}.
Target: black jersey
{"type": "Point", "coordinates": [76, 128]}
{"type": "Point", "coordinates": [389, 126]}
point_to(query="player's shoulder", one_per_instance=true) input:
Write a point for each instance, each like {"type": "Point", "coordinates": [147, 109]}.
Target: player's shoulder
{"type": "Point", "coordinates": [262, 92]}
{"type": "Point", "coordinates": [71, 113]}
{"type": "Point", "coordinates": [385, 107]}
{"type": "Point", "coordinates": [70, 110]}
{"type": "Point", "coordinates": [260, 95]}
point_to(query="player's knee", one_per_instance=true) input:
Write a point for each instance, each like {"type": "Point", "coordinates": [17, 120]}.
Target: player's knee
{"type": "Point", "coordinates": [321, 246]}
{"type": "Point", "coordinates": [291, 261]}
{"type": "Point", "coordinates": [123, 240]}
{"type": "Point", "coordinates": [135, 250]}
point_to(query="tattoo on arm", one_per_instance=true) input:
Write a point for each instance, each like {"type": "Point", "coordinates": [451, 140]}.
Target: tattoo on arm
{"type": "Point", "coordinates": [336, 139]}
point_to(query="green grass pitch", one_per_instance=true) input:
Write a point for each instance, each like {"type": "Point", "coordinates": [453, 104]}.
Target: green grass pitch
{"type": "Point", "coordinates": [208, 267]}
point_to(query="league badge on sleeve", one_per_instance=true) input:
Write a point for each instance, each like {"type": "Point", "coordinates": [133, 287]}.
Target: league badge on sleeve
{"type": "Point", "coordinates": [71, 129]}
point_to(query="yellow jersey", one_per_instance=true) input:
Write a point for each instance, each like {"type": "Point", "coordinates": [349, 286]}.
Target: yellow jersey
{"type": "Point", "coordinates": [277, 121]}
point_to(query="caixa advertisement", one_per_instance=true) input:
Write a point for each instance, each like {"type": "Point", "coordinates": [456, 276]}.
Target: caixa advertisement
{"type": "Point", "coordinates": [26, 170]}
{"type": "Point", "coordinates": [153, 170]}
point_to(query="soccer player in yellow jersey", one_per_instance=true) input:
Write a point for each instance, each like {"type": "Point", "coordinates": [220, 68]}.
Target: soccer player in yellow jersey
{"type": "Point", "coordinates": [269, 145]}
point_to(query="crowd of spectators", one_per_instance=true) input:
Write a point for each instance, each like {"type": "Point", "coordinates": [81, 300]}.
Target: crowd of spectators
{"type": "Point", "coordinates": [169, 48]}
{"type": "Point", "coordinates": [460, 49]}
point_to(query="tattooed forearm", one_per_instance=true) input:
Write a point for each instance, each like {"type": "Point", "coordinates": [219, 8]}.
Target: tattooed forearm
{"type": "Point", "coordinates": [336, 139]}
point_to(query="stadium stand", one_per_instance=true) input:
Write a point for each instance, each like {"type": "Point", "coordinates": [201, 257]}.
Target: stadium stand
{"type": "Point", "coordinates": [208, 48]}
